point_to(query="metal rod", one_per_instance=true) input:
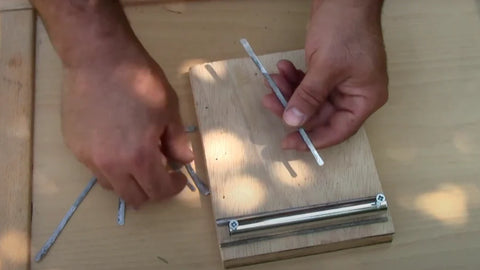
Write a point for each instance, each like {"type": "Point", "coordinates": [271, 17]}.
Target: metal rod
{"type": "Point", "coordinates": [296, 217]}
{"type": "Point", "coordinates": [121, 212]}
{"type": "Point", "coordinates": [302, 231]}
{"type": "Point", "coordinates": [191, 186]}
{"type": "Point", "coordinates": [302, 209]}
{"type": "Point", "coordinates": [46, 247]}
{"type": "Point", "coordinates": [178, 168]}
{"type": "Point", "coordinates": [190, 129]}
{"type": "Point", "coordinates": [281, 98]}
{"type": "Point", "coordinates": [202, 188]}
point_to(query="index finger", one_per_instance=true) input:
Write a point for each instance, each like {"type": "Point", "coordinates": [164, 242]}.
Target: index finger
{"type": "Point", "coordinates": [341, 126]}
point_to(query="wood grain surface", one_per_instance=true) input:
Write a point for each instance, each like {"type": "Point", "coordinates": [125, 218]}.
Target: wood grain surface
{"type": "Point", "coordinates": [249, 173]}
{"type": "Point", "coordinates": [16, 93]}
{"type": "Point", "coordinates": [425, 141]}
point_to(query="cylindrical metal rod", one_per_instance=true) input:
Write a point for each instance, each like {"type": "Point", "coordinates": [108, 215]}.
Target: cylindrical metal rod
{"type": "Point", "coordinates": [239, 226]}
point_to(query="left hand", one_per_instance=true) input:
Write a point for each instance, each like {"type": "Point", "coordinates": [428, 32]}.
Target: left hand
{"type": "Point", "coordinates": [346, 79]}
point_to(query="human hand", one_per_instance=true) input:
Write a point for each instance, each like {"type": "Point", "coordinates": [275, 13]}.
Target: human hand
{"type": "Point", "coordinates": [119, 113]}
{"type": "Point", "coordinates": [113, 117]}
{"type": "Point", "coordinates": [346, 79]}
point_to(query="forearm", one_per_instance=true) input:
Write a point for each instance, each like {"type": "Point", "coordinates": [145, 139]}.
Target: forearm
{"type": "Point", "coordinates": [88, 32]}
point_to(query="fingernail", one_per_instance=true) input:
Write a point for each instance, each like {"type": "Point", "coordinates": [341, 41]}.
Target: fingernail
{"type": "Point", "coordinates": [191, 155]}
{"type": "Point", "coordinates": [293, 117]}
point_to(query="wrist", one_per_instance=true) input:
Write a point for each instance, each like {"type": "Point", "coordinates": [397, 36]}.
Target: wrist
{"type": "Point", "coordinates": [89, 33]}
{"type": "Point", "coordinates": [100, 43]}
{"type": "Point", "coordinates": [96, 51]}
{"type": "Point", "coordinates": [351, 7]}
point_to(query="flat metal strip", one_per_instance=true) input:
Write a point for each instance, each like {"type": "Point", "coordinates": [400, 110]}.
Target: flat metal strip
{"type": "Point", "coordinates": [280, 97]}
{"type": "Point", "coordinates": [46, 247]}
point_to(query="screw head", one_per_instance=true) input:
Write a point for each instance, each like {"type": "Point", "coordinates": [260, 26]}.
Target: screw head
{"type": "Point", "coordinates": [233, 225]}
{"type": "Point", "coordinates": [380, 199]}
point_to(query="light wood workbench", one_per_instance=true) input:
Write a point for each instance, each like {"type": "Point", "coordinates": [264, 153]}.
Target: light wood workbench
{"type": "Point", "coordinates": [425, 141]}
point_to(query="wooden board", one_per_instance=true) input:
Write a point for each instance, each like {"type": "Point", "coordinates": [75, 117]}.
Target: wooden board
{"type": "Point", "coordinates": [16, 92]}
{"type": "Point", "coordinates": [425, 141]}
{"type": "Point", "coordinates": [250, 174]}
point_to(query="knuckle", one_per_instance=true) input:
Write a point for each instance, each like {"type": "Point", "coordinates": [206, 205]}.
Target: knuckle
{"type": "Point", "coordinates": [310, 95]}
{"type": "Point", "coordinates": [154, 190]}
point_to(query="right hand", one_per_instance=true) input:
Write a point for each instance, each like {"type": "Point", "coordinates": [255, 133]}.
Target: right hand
{"type": "Point", "coordinates": [346, 79]}
{"type": "Point", "coordinates": [121, 119]}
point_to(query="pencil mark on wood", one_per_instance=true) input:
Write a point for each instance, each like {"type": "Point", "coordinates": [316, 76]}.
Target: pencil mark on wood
{"type": "Point", "coordinates": [162, 259]}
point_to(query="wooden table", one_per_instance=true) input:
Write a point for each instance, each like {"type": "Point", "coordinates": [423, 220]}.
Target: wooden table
{"type": "Point", "coordinates": [426, 140]}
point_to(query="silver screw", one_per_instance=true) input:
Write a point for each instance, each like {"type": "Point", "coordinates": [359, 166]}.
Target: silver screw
{"type": "Point", "coordinates": [233, 225]}
{"type": "Point", "coordinates": [380, 200]}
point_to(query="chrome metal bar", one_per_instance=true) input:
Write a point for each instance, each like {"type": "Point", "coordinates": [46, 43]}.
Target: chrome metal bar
{"type": "Point", "coordinates": [237, 226]}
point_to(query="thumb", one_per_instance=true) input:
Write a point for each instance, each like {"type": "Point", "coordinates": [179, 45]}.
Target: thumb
{"type": "Point", "coordinates": [310, 94]}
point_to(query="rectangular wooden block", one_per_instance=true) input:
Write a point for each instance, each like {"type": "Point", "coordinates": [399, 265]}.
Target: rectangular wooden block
{"type": "Point", "coordinates": [249, 173]}
{"type": "Point", "coordinates": [16, 98]}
